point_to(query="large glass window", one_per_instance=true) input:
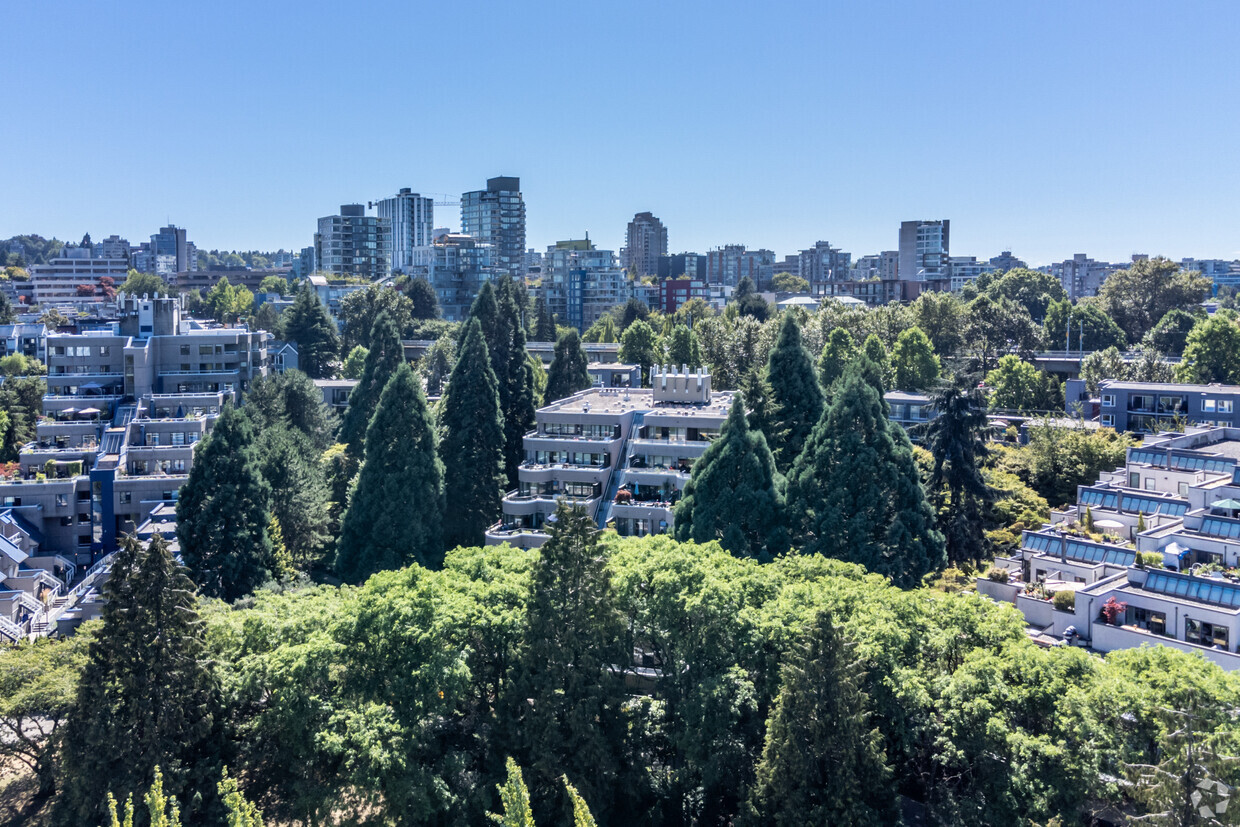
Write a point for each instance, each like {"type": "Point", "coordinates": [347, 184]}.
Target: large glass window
{"type": "Point", "coordinates": [1205, 633]}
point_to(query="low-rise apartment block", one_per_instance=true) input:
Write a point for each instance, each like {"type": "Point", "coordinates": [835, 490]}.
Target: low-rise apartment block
{"type": "Point", "coordinates": [624, 454]}
{"type": "Point", "coordinates": [1153, 407]}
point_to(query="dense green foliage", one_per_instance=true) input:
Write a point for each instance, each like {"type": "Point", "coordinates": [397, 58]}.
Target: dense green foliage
{"type": "Point", "coordinates": [360, 312]}
{"type": "Point", "coordinates": [1139, 297]}
{"type": "Point", "coordinates": [148, 695]}
{"type": "Point", "coordinates": [913, 363]}
{"type": "Point", "coordinates": [734, 494]}
{"type": "Point", "coordinates": [395, 511]}
{"type": "Point", "coordinates": [957, 441]}
{"type": "Point", "coordinates": [1212, 351]}
{"type": "Point", "coordinates": [855, 492]}
{"type": "Point", "coordinates": [839, 350]}
{"type": "Point", "coordinates": [222, 512]}
{"type": "Point", "coordinates": [639, 346]}
{"type": "Point", "coordinates": [384, 355]}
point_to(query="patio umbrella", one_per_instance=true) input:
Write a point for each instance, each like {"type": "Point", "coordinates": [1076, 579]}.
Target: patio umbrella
{"type": "Point", "coordinates": [1108, 524]}
{"type": "Point", "coordinates": [1229, 504]}
{"type": "Point", "coordinates": [91, 386]}
{"type": "Point", "coordinates": [90, 411]}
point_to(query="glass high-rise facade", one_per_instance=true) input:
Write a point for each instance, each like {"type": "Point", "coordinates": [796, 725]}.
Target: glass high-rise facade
{"type": "Point", "coordinates": [354, 244]}
{"type": "Point", "coordinates": [495, 216]}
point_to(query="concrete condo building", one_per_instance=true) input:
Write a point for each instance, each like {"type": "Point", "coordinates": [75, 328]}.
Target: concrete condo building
{"type": "Point", "coordinates": [59, 279]}
{"type": "Point", "coordinates": [170, 241]}
{"type": "Point", "coordinates": [644, 242]}
{"type": "Point", "coordinates": [411, 218]}
{"type": "Point", "coordinates": [354, 244]}
{"type": "Point", "coordinates": [822, 263]}
{"type": "Point", "coordinates": [456, 265]}
{"type": "Point", "coordinates": [580, 282]}
{"type": "Point", "coordinates": [496, 216]}
{"type": "Point", "coordinates": [1149, 553]}
{"type": "Point", "coordinates": [925, 251]}
{"type": "Point", "coordinates": [624, 454]}
{"type": "Point", "coordinates": [726, 266]}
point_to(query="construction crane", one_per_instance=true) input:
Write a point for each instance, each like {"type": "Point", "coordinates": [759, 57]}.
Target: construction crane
{"type": "Point", "coordinates": [442, 199]}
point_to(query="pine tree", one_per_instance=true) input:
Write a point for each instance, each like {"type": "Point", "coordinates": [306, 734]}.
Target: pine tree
{"type": "Point", "coordinates": [734, 495]}
{"type": "Point", "coordinates": [822, 763]}
{"type": "Point", "coordinates": [473, 444]}
{"type": "Point", "coordinates": [515, 799]}
{"type": "Point", "coordinates": [385, 355]}
{"type": "Point", "coordinates": [568, 372]}
{"type": "Point", "coordinates": [796, 395]}
{"type": "Point", "coordinates": [839, 350]}
{"type": "Point", "coordinates": [683, 348]}
{"type": "Point", "coordinates": [956, 438]}
{"type": "Point", "coordinates": [148, 695]}
{"type": "Point", "coordinates": [855, 492]}
{"type": "Point", "coordinates": [300, 497]}
{"type": "Point", "coordinates": [485, 309]}
{"type": "Point", "coordinates": [222, 512]}
{"type": "Point", "coordinates": [567, 699]}
{"type": "Point", "coordinates": [318, 342]}
{"type": "Point", "coordinates": [436, 365]}
{"type": "Point", "coordinates": [395, 512]}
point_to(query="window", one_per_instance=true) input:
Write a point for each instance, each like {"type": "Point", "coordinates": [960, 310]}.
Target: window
{"type": "Point", "coordinates": [1224, 406]}
{"type": "Point", "coordinates": [1205, 633]}
{"type": "Point", "coordinates": [1108, 420]}
{"type": "Point", "coordinates": [1108, 400]}
{"type": "Point", "coordinates": [1134, 479]}
{"type": "Point", "coordinates": [1183, 488]}
{"type": "Point", "coordinates": [126, 497]}
{"type": "Point", "coordinates": [1149, 620]}
{"type": "Point", "coordinates": [1207, 405]}
{"type": "Point", "coordinates": [84, 517]}
{"type": "Point", "coordinates": [105, 350]}
{"type": "Point", "coordinates": [185, 350]}
{"type": "Point", "coordinates": [62, 500]}
{"type": "Point", "coordinates": [83, 539]}
{"type": "Point", "coordinates": [1151, 484]}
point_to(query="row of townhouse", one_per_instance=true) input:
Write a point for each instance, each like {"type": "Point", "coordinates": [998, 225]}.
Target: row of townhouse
{"type": "Point", "coordinates": [1153, 407]}
{"type": "Point", "coordinates": [1151, 552]}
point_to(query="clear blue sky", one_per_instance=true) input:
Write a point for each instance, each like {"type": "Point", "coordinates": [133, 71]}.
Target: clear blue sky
{"type": "Point", "coordinates": [1048, 128]}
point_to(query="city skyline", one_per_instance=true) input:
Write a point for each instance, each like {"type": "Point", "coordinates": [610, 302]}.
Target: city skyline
{"type": "Point", "coordinates": [1047, 131]}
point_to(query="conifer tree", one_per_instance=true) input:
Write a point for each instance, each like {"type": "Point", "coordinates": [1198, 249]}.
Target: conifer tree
{"type": "Point", "coordinates": [822, 763]}
{"type": "Point", "coordinates": [568, 372]}
{"type": "Point", "coordinates": [222, 512]}
{"type": "Point", "coordinates": [515, 374]}
{"type": "Point", "coordinates": [796, 396]}
{"type": "Point", "coordinates": [839, 350]}
{"type": "Point", "coordinates": [855, 492]}
{"type": "Point", "coordinates": [473, 444]}
{"type": "Point", "coordinates": [581, 811]}
{"type": "Point", "coordinates": [148, 695]}
{"type": "Point", "coordinates": [485, 309]}
{"type": "Point", "coordinates": [734, 495]}
{"type": "Point", "coordinates": [567, 699]}
{"type": "Point", "coordinates": [385, 355]}
{"type": "Point", "coordinates": [956, 437]}
{"type": "Point", "coordinates": [879, 376]}
{"type": "Point", "coordinates": [300, 497]}
{"type": "Point", "coordinates": [544, 328]}
{"type": "Point", "coordinates": [425, 304]}
{"type": "Point", "coordinates": [395, 512]}
{"type": "Point", "coordinates": [308, 324]}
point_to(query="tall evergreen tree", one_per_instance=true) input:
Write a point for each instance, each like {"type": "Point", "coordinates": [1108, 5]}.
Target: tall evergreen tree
{"type": "Point", "coordinates": [796, 395]}
{"type": "Point", "coordinates": [515, 375]}
{"type": "Point", "coordinates": [876, 352]}
{"type": "Point", "coordinates": [544, 327]}
{"type": "Point", "coordinates": [514, 798]}
{"type": "Point", "coordinates": [395, 512]}
{"type": "Point", "coordinates": [568, 372]}
{"type": "Point", "coordinates": [855, 492]}
{"type": "Point", "coordinates": [567, 698]}
{"type": "Point", "coordinates": [839, 350]}
{"type": "Point", "coordinates": [485, 309]}
{"type": "Point", "coordinates": [957, 439]}
{"type": "Point", "coordinates": [222, 512]}
{"type": "Point", "coordinates": [385, 355]}
{"type": "Point", "coordinates": [308, 324]}
{"type": "Point", "coordinates": [148, 695]}
{"type": "Point", "coordinates": [823, 763]}
{"type": "Point", "coordinates": [734, 495]}
{"type": "Point", "coordinates": [292, 399]}
{"type": "Point", "coordinates": [473, 444]}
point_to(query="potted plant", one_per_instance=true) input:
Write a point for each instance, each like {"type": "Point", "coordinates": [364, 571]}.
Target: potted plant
{"type": "Point", "coordinates": [1113, 611]}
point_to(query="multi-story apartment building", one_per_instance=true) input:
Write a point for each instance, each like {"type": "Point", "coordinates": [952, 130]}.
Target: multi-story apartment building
{"type": "Point", "coordinates": [456, 265]}
{"type": "Point", "coordinates": [122, 413]}
{"type": "Point", "coordinates": [1149, 551]}
{"type": "Point", "coordinates": [354, 244]}
{"type": "Point", "coordinates": [726, 266]}
{"type": "Point", "coordinates": [682, 265]}
{"type": "Point", "coordinates": [1006, 261]}
{"type": "Point", "coordinates": [645, 241]}
{"type": "Point", "coordinates": [1152, 407]}
{"type": "Point", "coordinates": [332, 292]}
{"type": "Point", "coordinates": [113, 247]}
{"type": "Point", "coordinates": [675, 292]}
{"type": "Point", "coordinates": [26, 339]}
{"type": "Point", "coordinates": [496, 216]}
{"type": "Point", "coordinates": [965, 269]}
{"type": "Point", "coordinates": [1081, 276]}
{"type": "Point", "coordinates": [412, 219]}
{"type": "Point", "coordinates": [76, 267]}
{"type": "Point", "coordinates": [623, 454]}
{"type": "Point", "coordinates": [925, 251]}
{"type": "Point", "coordinates": [884, 266]}
{"type": "Point", "coordinates": [581, 282]}
{"type": "Point", "coordinates": [822, 263]}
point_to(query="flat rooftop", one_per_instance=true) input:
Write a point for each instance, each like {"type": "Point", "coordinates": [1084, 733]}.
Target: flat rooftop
{"type": "Point", "coordinates": [1169, 387]}
{"type": "Point", "coordinates": [620, 400]}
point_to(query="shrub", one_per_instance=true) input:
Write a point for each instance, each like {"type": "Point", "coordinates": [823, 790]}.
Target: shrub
{"type": "Point", "coordinates": [1150, 558]}
{"type": "Point", "coordinates": [1113, 611]}
{"type": "Point", "coordinates": [1065, 601]}
{"type": "Point", "coordinates": [997, 574]}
